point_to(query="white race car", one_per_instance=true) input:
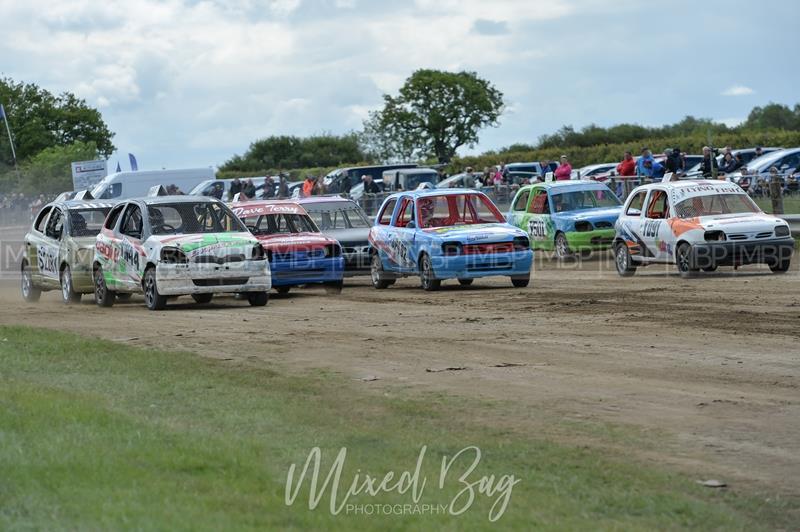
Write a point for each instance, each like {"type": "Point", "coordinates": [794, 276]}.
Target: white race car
{"type": "Point", "coordinates": [698, 225]}
{"type": "Point", "coordinates": [177, 245]}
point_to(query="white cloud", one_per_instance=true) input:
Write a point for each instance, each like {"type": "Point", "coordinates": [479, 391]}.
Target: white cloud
{"type": "Point", "coordinates": [738, 90]}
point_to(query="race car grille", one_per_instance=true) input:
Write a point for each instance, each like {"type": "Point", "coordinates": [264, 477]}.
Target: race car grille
{"type": "Point", "coordinates": [603, 225]}
{"type": "Point", "coordinates": [488, 266]}
{"type": "Point", "coordinates": [221, 282]}
{"type": "Point", "coordinates": [485, 249]}
{"type": "Point", "coordinates": [211, 259]}
{"type": "Point", "coordinates": [355, 248]}
{"type": "Point", "coordinates": [737, 236]}
{"type": "Point", "coordinates": [765, 234]}
{"type": "Point", "coordinates": [299, 255]}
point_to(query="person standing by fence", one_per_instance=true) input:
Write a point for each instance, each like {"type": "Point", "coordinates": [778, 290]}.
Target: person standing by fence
{"type": "Point", "coordinates": [564, 170]}
{"type": "Point", "coordinates": [776, 191]}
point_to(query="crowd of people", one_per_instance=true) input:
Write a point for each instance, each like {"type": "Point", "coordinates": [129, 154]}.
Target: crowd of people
{"type": "Point", "coordinates": [16, 207]}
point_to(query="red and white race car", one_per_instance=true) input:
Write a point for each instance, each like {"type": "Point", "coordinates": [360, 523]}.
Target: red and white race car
{"type": "Point", "coordinates": [298, 252]}
{"type": "Point", "coordinates": [698, 225]}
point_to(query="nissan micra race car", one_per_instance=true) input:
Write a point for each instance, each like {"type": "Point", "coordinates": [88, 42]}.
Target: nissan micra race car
{"type": "Point", "coordinates": [59, 249]}
{"type": "Point", "coordinates": [698, 225]}
{"type": "Point", "coordinates": [439, 234]}
{"type": "Point", "coordinates": [566, 216]}
{"type": "Point", "coordinates": [298, 253]}
{"type": "Point", "coordinates": [177, 245]}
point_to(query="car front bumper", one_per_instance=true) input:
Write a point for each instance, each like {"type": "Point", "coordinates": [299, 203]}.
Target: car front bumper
{"type": "Point", "coordinates": [513, 264]}
{"type": "Point", "coordinates": [356, 259]}
{"type": "Point", "coordinates": [184, 279]}
{"type": "Point", "coordinates": [728, 253]}
{"type": "Point", "coordinates": [598, 239]}
{"type": "Point", "coordinates": [310, 271]}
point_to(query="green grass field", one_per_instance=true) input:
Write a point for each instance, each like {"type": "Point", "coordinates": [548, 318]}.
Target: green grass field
{"type": "Point", "coordinates": [791, 204]}
{"type": "Point", "coordinates": [98, 436]}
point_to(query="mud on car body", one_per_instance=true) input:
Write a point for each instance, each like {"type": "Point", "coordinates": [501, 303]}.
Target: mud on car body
{"type": "Point", "coordinates": [438, 234]}
{"type": "Point", "coordinates": [566, 216]}
{"type": "Point", "coordinates": [59, 248]}
{"type": "Point", "coordinates": [177, 245]}
{"type": "Point", "coordinates": [698, 225]}
{"type": "Point", "coordinates": [298, 253]}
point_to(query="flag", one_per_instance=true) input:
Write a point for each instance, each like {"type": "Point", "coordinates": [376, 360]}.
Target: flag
{"type": "Point", "coordinates": [2, 112]}
{"type": "Point", "coordinates": [134, 166]}
{"type": "Point", "coordinates": [119, 169]}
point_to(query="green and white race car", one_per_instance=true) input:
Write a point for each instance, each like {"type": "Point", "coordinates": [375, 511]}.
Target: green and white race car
{"type": "Point", "coordinates": [166, 246]}
{"type": "Point", "coordinates": [59, 249]}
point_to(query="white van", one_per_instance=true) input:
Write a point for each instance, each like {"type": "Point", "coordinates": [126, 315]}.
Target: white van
{"type": "Point", "coordinates": [123, 185]}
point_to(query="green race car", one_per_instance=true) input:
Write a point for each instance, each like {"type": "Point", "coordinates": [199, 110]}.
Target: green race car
{"type": "Point", "coordinates": [566, 216]}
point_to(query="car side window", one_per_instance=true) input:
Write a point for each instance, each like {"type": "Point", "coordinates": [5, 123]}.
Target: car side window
{"type": "Point", "coordinates": [55, 226]}
{"type": "Point", "coordinates": [385, 217]}
{"type": "Point", "coordinates": [41, 219]}
{"type": "Point", "coordinates": [540, 205]}
{"type": "Point", "coordinates": [658, 207]}
{"type": "Point", "coordinates": [406, 213]}
{"type": "Point", "coordinates": [111, 219]}
{"type": "Point", "coordinates": [522, 200]}
{"type": "Point", "coordinates": [132, 222]}
{"type": "Point", "coordinates": [635, 205]}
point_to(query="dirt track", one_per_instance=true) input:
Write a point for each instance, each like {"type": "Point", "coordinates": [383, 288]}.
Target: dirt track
{"type": "Point", "coordinates": [709, 367]}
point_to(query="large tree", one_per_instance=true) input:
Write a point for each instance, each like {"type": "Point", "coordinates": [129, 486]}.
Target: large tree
{"type": "Point", "coordinates": [41, 120]}
{"type": "Point", "coordinates": [434, 114]}
{"type": "Point", "coordinates": [288, 152]}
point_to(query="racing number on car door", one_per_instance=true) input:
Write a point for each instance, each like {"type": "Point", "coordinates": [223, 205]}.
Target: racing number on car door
{"type": "Point", "coordinates": [47, 249]}
{"type": "Point", "coordinates": [539, 214]}
{"type": "Point", "coordinates": [129, 264]}
{"type": "Point", "coordinates": [654, 223]}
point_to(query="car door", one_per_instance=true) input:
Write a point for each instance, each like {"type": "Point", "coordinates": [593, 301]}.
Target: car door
{"type": "Point", "coordinates": [33, 240]}
{"type": "Point", "coordinates": [655, 230]}
{"type": "Point", "coordinates": [629, 225]}
{"type": "Point", "coordinates": [518, 214]}
{"type": "Point", "coordinates": [403, 233]}
{"type": "Point", "coordinates": [47, 251]}
{"type": "Point", "coordinates": [107, 246]}
{"type": "Point", "coordinates": [131, 253]}
{"type": "Point", "coordinates": [539, 223]}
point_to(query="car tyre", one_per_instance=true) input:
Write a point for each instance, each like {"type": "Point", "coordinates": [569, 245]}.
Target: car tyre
{"type": "Point", "coordinates": [30, 293]}
{"type": "Point", "coordinates": [562, 247]}
{"type": "Point", "coordinates": [623, 260]}
{"type": "Point", "coordinates": [465, 282]}
{"type": "Point", "coordinates": [152, 298]}
{"type": "Point", "coordinates": [710, 269]}
{"type": "Point", "coordinates": [282, 290]}
{"type": "Point", "coordinates": [68, 295]}
{"type": "Point", "coordinates": [427, 276]}
{"type": "Point", "coordinates": [258, 299]}
{"type": "Point", "coordinates": [334, 287]}
{"type": "Point", "coordinates": [683, 259]}
{"type": "Point", "coordinates": [521, 281]}
{"type": "Point", "coordinates": [780, 266]}
{"type": "Point", "coordinates": [377, 273]}
{"type": "Point", "coordinates": [202, 299]}
{"type": "Point", "coordinates": [102, 295]}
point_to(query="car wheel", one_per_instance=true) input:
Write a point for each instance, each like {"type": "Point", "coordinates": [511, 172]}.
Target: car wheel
{"type": "Point", "coordinates": [68, 295]}
{"type": "Point", "coordinates": [683, 259]}
{"type": "Point", "coordinates": [427, 276]}
{"type": "Point", "coordinates": [30, 293]}
{"type": "Point", "coordinates": [257, 299]}
{"type": "Point", "coordinates": [521, 282]}
{"type": "Point", "coordinates": [102, 295]}
{"type": "Point", "coordinates": [334, 287]}
{"type": "Point", "coordinates": [124, 296]}
{"type": "Point", "coordinates": [282, 289]}
{"type": "Point", "coordinates": [377, 274]}
{"type": "Point", "coordinates": [152, 298]}
{"type": "Point", "coordinates": [562, 247]}
{"type": "Point", "coordinates": [465, 282]}
{"type": "Point", "coordinates": [623, 261]}
{"type": "Point", "coordinates": [780, 266]}
{"type": "Point", "coordinates": [202, 298]}
{"type": "Point", "coordinates": [710, 269]}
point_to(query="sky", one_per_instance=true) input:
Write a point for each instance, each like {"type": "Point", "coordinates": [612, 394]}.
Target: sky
{"type": "Point", "coordinates": [187, 83]}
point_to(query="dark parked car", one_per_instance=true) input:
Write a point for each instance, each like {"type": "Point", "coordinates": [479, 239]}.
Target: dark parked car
{"type": "Point", "coordinates": [333, 181]}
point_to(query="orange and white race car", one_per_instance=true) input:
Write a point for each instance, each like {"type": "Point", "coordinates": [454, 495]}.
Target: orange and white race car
{"type": "Point", "coordinates": [698, 225]}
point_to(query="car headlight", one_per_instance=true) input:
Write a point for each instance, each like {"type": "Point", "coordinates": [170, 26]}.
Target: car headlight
{"type": "Point", "coordinates": [333, 250]}
{"type": "Point", "coordinates": [712, 236]}
{"type": "Point", "coordinates": [173, 256]}
{"type": "Point", "coordinates": [451, 248]}
{"type": "Point", "coordinates": [583, 225]}
{"type": "Point", "coordinates": [782, 230]}
{"type": "Point", "coordinates": [521, 243]}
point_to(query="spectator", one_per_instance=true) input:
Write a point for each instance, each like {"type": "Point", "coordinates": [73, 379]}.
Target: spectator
{"type": "Point", "coordinates": [739, 161]}
{"type": "Point", "coordinates": [544, 166]}
{"type": "Point", "coordinates": [564, 170]}
{"type": "Point", "coordinates": [283, 187]}
{"type": "Point", "coordinates": [249, 189]}
{"type": "Point", "coordinates": [759, 152]}
{"type": "Point", "coordinates": [217, 191]}
{"type": "Point", "coordinates": [469, 178]}
{"type": "Point", "coordinates": [370, 186]}
{"type": "Point", "coordinates": [345, 185]}
{"type": "Point", "coordinates": [268, 192]}
{"type": "Point", "coordinates": [675, 162]}
{"type": "Point", "coordinates": [627, 167]}
{"type": "Point", "coordinates": [236, 187]}
{"type": "Point", "coordinates": [308, 186]}
{"type": "Point", "coordinates": [728, 163]}
{"type": "Point", "coordinates": [709, 163]}
{"type": "Point", "coordinates": [644, 166]}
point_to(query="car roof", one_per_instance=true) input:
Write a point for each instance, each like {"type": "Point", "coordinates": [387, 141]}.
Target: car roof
{"type": "Point", "coordinates": [160, 200]}
{"type": "Point", "coordinates": [260, 207]}
{"type": "Point", "coordinates": [324, 199]}
{"type": "Point", "coordinates": [83, 204]}
{"type": "Point", "coordinates": [572, 183]}
{"type": "Point", "coordinates": [437, 192]}
{"type": "Point", "coordinates": [688, 183]}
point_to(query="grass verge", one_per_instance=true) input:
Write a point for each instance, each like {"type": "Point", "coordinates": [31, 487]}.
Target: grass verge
{"type": "Point", "coordinates": [96, 435]}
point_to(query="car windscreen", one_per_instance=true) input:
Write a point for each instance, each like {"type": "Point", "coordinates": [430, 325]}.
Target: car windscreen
{"type": "Point", "coordinates": [87, 222]}
{"type": "Point", "coordinates": [280, 224]}
{"type": "Point", "coordinates": [339, 215]}
{"type": "Point", "coordinates": [577, 200]}
{"type": "Point", "coordinates": [192, 218]}
{"type": "Point", "coordinates": [456, 209]}
{"type": "Point", "coordinates": [712, 204]}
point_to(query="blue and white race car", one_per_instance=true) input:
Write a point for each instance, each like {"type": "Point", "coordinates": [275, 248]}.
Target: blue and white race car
{"type": "Point", "coordinates": [446, 234]}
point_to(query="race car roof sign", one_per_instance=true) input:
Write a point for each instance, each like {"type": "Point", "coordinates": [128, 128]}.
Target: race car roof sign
{"type": "Point", "coordinates": [261, 209]}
